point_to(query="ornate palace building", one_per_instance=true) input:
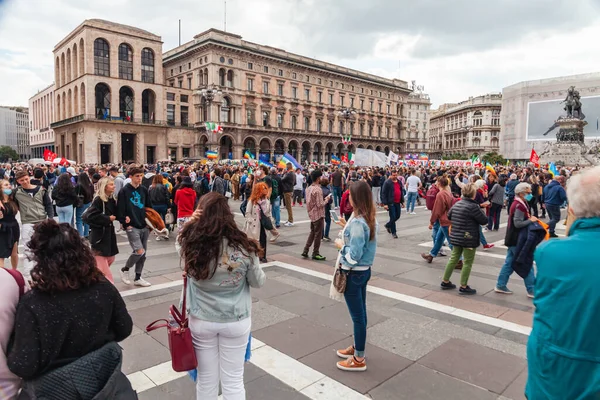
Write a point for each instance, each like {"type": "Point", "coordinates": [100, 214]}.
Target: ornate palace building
{"type": "Point", "coordinates": [41, 116]}
{"type": "Point", "coordinates": [469, 127]}
{"type": "Point", "coordinates": [118, 98]}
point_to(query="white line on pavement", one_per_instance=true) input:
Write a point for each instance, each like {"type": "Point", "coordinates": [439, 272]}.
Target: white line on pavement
{"type": "Point", "coordinates": [479, 253]}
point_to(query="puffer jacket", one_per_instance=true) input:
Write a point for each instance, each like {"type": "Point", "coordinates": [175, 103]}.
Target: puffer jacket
{"type": "Point", "coordinates": [95, 376]}
{"type": "Point", "coordinates": [466, 216]}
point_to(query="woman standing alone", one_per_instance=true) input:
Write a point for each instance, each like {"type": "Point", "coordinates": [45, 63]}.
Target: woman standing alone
{"type": "Point", "coordinates": [9, 227]}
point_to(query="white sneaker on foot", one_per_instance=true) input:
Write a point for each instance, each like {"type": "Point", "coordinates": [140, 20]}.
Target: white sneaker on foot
{"type": "Point", "coordinates": [125, 277]}
{"type": "Point", "coordinates": [142, 282]}
{"type": "Point", "coordinates": [275, 237]}
{"type": "Point", "coordinates": [289, 224]}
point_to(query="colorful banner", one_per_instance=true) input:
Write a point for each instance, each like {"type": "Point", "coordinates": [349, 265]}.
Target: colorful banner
{"type": "Point", "coordinates": [248, 155]}
{"type": "Point", "coordinates": [212, 155]}
{"type": "Point", "coordinates": [335, 160]}
{"type": "Point", "coordinates": [213, 127]}
{"type": "Point", "coordinates": [287, 158]}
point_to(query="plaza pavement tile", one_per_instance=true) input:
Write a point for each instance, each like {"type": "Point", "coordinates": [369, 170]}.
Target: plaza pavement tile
{"type": "Point", "coordinates": [399, 287]}
{"type": "Point", "coordinates": [298, 337]}
{"type": "Point", "coordinates": [300, 302]}
{"type": "Point", "coordinates": [475, 364]}
{"type": "Point", "coordinates": [479, 307]}
{"type": "Point", "coordinates": [270, 289]}
{"type": "Point", "coordinates": [384, 365]}
{"type": "Point", "coordinates": [267, 387]}
{"type": "Point", "coordinates": [141, 352]}
{"type": "Point", "coordinates": [518, 317]}
{"type": "Point", "coordinates": [420, 383]}
{"type": "Point", "coordinates": [516, 390]}
{"type": "Point", "coordinates": [338, 317]}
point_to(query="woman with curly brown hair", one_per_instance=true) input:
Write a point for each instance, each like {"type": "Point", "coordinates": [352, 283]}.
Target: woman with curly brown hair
{"type": "Point", "coordinates": [222, 264]}
{"type": "Point", "coordinates": [71, 312]}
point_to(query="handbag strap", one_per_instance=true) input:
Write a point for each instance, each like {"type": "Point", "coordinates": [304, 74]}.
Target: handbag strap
{"type": "Point", "coordinates": [184, 305]}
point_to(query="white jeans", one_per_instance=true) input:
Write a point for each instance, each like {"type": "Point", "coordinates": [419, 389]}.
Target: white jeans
{"type": "Point", "coordinates": [26, 233]}
{"type": "Point", "coordinates": [220, 349]}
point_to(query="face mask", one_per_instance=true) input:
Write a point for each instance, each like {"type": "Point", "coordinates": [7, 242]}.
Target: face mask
{"type": "Point", "coordinates": [529, 197]}
{"type": "Point", "coordinates": [7, 192]}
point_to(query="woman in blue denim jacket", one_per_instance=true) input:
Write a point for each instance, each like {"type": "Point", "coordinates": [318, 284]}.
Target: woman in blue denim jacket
{"type": "Point", "coordinates": [357, 251]}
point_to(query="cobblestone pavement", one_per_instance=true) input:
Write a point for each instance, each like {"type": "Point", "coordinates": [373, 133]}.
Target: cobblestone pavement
{"type": "Point", "coordinates": [421, 343]}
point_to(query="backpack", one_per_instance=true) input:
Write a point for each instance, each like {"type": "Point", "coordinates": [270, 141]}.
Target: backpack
{"type": "Point", "coordinates": [19, 279]}
{"type": "Point", "coordinates": [275, 189]}
{"type": "Point", "coordinates": [430, 197]}
{"type": "Point", "coordinates": [201, 187]}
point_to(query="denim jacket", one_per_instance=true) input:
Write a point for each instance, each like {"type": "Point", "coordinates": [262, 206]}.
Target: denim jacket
{"type": "Point", "coordinates": [358, 250]}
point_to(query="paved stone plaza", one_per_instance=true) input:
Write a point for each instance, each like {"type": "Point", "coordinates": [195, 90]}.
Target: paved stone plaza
{"type": "Point", "coordinates": [422, 343]}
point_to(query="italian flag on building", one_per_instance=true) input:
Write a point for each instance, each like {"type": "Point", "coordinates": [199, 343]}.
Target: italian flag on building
{"type": "Point", "coordinates": [212, 127]}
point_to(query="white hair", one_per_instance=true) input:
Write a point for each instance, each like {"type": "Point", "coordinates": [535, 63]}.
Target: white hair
{"type": "Point", "coordinates": [513, 176]}
{"type": "Point", "coordinates": [522, 188]}
{"type": "Point", "coordinates": [583, 192]}
{"type": "Point", "coordinates": [479, 183]}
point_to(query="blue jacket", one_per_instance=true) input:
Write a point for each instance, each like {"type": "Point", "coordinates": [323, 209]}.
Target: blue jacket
{"type": "Point", "coordinates": [529, 238]}
{"type": "Point", "coordinates": [509, 189]}
{"type": "Point", "coordinates": [387, 192]}
{"type": "Point", "coordinates": [563, 351]}
{"type": "Point", "coordinates": [358, 250]}
{"type": "Point", "coordinates": [554, 194]}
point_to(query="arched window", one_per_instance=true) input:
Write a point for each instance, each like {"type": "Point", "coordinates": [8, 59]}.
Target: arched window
{"type": "Point", "coordinates": [101, 57]}
{"type": "Point", "coordinates": [306, 123]}
{"type": "Point", "coordinates": [222, 74]}
{"type": "Point", "coordinates": [293, 122]}
{"type": "Point", "coordinates": [57, 72]}
{"type": "Point", "coordinates": [76, 101]}
{"type": "Point", "coordinates": [102, 93]}
{"type": "Point", "coordinates": [341, 128]}
{"type": "Point", "coordinates": [225, 107]}
{"type": "Point", "coordinates": [148, 106]}
{"type": "Point", "coordinates": [58, 118]}
{"type": "Point", "coordinates": [265, 117]}
{"type": "Point", "coordinates": [126, 103]}
{"type": "Point", "coordinates": [68, 65]}
{"type": "Point", "coordinates": [82, 93]}
{"type": "Point", "coordinates": [75, 60]}
{"type": "Point", "coordinates": [62, 70]}
{"type": "Point", "coordinates": [125, 61]}
{"type": "Point", "coordinates": [319, 124]}
{"type": "Point", "coordinates": [147, 65]}
{"type": "Point", "coordinates": [279, 120]}
{"type": "Point", "coordinates": [230, 78]}
{"type": "Point", "coordinates": [81, 57]}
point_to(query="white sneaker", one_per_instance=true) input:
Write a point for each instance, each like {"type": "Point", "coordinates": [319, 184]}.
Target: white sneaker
{"type": "Point", "coordinates": [142, 282]}
{"type": "Point", "coordinates": [289, 224]}
{"type": "Point", "coordinates": [158, 238]}
{"type": "Point", "coordinates": [413, 213]}
{"type": "Point", "coordinates": [275, 237]}
{"type": "Point", "coordinates": [125, 277]}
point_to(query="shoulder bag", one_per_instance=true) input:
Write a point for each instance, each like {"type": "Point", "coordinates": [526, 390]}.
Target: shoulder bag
{"type": "Point", "coordinates": [183, 355]}
{"type": "Point", "coordinates": [79, 201]}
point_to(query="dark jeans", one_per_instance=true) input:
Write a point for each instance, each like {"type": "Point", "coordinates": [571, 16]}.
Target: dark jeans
{"type": "Point", "coordinates": [509, 203]}
{"type": "Point", "coordinates": [316, 233]}
{"type": "Point", "coordinates": [356, 300]}
{"type": "Point", "coordinates": [327, 222]}
{"type": "Point", "coordinates": [394, 210]}
{"type": "Point", "coordinates": [297, 196]}
{"type": "Point", "coordinates": [534, 207]}
{"type": "Point", "coordinates": [161, 209]}
{"type": "Point", "coordinates": [494, 217]}
{"type": "Point", "coordinates": [337, 195]}
{"type": "Point", "coordinates": [263, 240]}
{"type": "Point", "coordinates": [554, 215]}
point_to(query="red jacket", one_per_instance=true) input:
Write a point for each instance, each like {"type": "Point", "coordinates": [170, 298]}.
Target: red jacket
{"type": "Point", "coordinates": [185, 198]}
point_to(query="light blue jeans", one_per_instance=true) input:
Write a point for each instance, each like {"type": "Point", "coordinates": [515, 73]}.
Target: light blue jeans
{"type": "Point", "coordinates": [276, 210]}
{"type": "Point", "coordinates": [411, 199]}
{"type": "Point", "coordinates": [482, 236]}
{"type": "Point", "coordinates": [507, 271]}
{"type": "Point", "coordinates": [83, 229]}
{"type": "Point", "coordinates": [436, 227]}
{"type": "Point", "coordinates": [443, 233]}
{"type": "Point", "coordinates": [65, 214]}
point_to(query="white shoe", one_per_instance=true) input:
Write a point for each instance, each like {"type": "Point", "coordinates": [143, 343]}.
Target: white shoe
{"type": "Point", "coordinates": [289, 224]}
{"type": "Point", "coordinates": [413, 213]}
{"type": "Point", "coordinates": [275, 237]}
{"type": "Point", "coordinates": [158, 238]}
{"type": "Point", "coordinates": [125, 277]}
{"type": "Point", "coordinates": [142, 282]}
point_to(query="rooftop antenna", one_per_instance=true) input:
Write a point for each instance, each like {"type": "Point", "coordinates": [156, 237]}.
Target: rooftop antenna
{"type": "Point", "coordinates": [180, 32]}
{"type": "Point", "coordinates": [225, 16]}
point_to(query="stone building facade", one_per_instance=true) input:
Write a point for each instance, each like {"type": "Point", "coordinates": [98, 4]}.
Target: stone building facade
{"type": "Point", "coordinates": [469, 127]}
{"type": "Point", "coordinates": [41, 116]}
{"type": "Point", "coordinates": [516, 100]}
{"type": "Point", "coordinates": [14, 130]}
{"type": "Point", "coordinates": [119, 98]}
{"type": "Point", "coordinates": [416, 122]}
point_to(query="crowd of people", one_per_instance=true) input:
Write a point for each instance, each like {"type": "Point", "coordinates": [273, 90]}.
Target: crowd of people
{"type": "Point", "coordinates": [69, 218]}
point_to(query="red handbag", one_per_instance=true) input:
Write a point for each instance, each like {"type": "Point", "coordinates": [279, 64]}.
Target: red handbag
{"type": "Point", "coordinates": [183, 354]}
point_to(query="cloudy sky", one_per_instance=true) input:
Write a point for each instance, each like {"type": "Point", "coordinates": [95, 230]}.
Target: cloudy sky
{"type": "Point", "coordinates": [455, 48]}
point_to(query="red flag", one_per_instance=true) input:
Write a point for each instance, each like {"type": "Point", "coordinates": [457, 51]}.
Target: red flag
{"type": "Point", "coordinates": [534, 158]}
{"type": "Point", "coordinates": [63, 161]}
{"type": "Point", "coordinates": [49, 155]}
{"type": "Point", "coordinates": [345, 159]}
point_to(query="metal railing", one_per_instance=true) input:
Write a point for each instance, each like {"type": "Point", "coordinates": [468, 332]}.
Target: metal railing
{"type": "Point", "coordinates": [111, 119]}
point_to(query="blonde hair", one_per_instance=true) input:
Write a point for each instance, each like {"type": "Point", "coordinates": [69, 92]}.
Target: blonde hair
{"type": "Point", "coordinates": [102, 188]}
{"type": "Point", "coordinates": [469, 191]}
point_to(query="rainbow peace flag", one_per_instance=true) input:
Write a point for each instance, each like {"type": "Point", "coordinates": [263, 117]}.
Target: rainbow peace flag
{"type": "Point", "coordinates": [335, 160]}
{"type": "Point", "coordinates": [265, 163]}
{"type": "Point", "coordinates": [489, 167]}
{"type": "Point", "coordinates": [553, 170]}
{"type": "Point", "coordinates": [212, 155]}
{"type": "Point", "coordinates": [248, 155]}
{"type": "Point", "coordinates": [287, 158]}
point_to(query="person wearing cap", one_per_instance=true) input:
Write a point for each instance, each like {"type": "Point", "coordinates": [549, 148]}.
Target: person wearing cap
{"type": "Point", "coordinates": [34, 206]}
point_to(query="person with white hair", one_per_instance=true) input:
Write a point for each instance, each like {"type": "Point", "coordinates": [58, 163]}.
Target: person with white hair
{"type": "Point", "coordinates": [509, 191]}
{"type": "Point", "coordinates": [563, 352]}
{"type": "Point", "coordinates": [519, 218]}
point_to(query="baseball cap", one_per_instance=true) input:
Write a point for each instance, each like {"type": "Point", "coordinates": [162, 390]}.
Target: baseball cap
{"type": "Point", "coordinates": [71, 171]}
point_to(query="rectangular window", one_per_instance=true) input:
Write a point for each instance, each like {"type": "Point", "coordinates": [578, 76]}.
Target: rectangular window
{"type": "Point", "coordinates": [171, 114]}
{"type": "Point", "coordinates": [362, 104]}
{"type": "Point", "coordinates": [186, 152]}
{"type": "Point", "coordinates": [352, 102]}
{"type": "Point", "coordinates": [251, 84]}
{"type": "Point", "coordinates": [331, 83]}
{"type": "Point", "coordinates": [171, 71]}
{"type": "Point", "coordinates": [184, 116]}
{"type": "Point", "coordinates": [294, 92]}
{"type": "Point", "coordinates": [331, 99]}
{"type": "Point", "coordinates": [250, 65]}
{"type": "Point", "coordinates": [371, 105]}
{"type": "Point", "coordinates": [170, 96]}
{"type": "Point", "coordinates": [280, 89]}
{"type": "Point", "coordinates": [250, 117]}
{"type": "Point", "coordinates": [342, 101]}
{"type": "Point", "coordinates": [320, 97]}
{"type": "Point", "coordinates": [293, 75]}
{"type": "Point", "coordinates": [180, 82]}
{"type": "Point", "coordinates": [319, 81]}
{"type": "Point", "coordinates": [266, 87]}
{"type": "Point", "coordinates": [379, 107]}
{"type": "Point", "coordinates": [172, 83]}
{"type": "Point", "coordinates": [266, 69]}
{"type": "Point", "coordinates": [389, 109]}
{"type": "Point", "coordinates": [183, 98]}
{"type": "Point", "coordinates": [189, 83]}
{"type": "Point", "coordinates": [307, 78]}
{"type": "Point", "coordinates": [180, 69]}
{"type": "Point", "coordinates": [307, 94]}
{"type": "Point", "coordinates": [280, 72]}
{"type": "Point", "coordinates": [189, 65]}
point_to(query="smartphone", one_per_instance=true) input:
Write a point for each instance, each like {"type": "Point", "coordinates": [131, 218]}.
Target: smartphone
{"type": "Point", "coordinates": [334, 215]}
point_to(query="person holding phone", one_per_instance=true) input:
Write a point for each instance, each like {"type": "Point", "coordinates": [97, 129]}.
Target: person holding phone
{"type": "Point", "coordinates": [327, 196]}
{"type": "Point", "coordinates": [315, 205]}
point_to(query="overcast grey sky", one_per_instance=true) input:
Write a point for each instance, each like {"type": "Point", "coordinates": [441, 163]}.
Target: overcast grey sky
{"type": "Point", "coordinates": [455, 48]}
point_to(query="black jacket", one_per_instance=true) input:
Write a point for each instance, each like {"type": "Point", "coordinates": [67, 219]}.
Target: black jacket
{"type": "Point", "coordinates": [528, 240]}
{"type": "Point", "coordinates": [159, 195]}
{"type": "Point", "coordinates": [466, 216]}
{"type": "Point", "coordinates": [96, 375]}
{"type": "Point", "coordinates": [102, 230]}
{"type": "Point", "coordinates": [387, 192]}
{"type": "Point", "coordinates": [288, 182]}
{"type": "Point", "coordinates": [64, 198]}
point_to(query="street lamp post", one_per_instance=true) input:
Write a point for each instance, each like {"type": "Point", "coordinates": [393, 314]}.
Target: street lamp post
{"type": "Point", "coordinates": [346, 113]}
{"type": "Point", "coordinates": [209, 94]}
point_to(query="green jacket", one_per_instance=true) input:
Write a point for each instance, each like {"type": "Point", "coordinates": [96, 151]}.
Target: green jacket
{"type": "Point", "coordinates": [563, 351]}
